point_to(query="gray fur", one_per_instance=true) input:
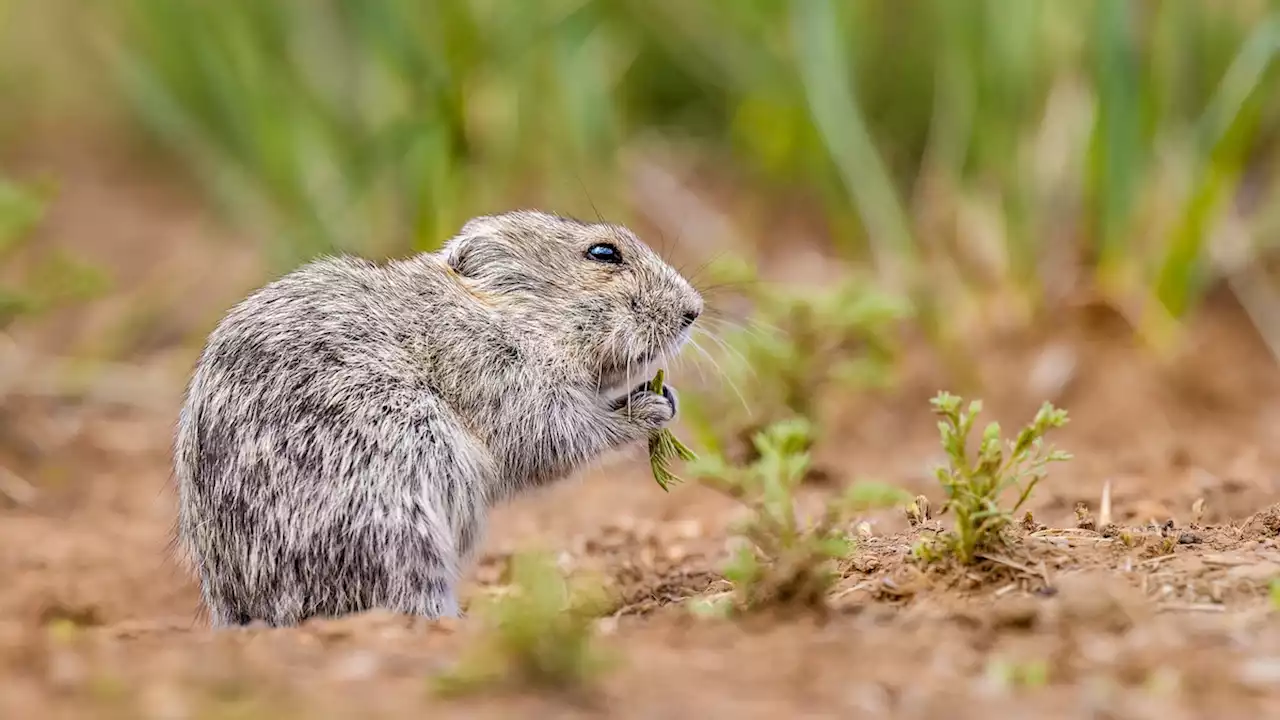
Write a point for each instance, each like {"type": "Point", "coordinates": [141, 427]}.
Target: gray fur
{"type": "Point", "coordinates": [348, 426]}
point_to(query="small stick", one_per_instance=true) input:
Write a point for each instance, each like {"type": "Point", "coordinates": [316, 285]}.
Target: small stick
{"type": "Point", "coordinates": [664, 447]}
{"type": "Point", "coordinates": [1104, 511]}
{"type": "Point", "coordinates": [18, 490]}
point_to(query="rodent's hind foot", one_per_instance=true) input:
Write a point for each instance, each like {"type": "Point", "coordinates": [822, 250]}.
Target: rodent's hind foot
{"type": "Point", "coordinates": [224, 619]}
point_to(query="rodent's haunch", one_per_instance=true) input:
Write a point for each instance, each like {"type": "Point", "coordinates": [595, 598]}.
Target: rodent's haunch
{"type": "Point", "coordinates": [348, 426]}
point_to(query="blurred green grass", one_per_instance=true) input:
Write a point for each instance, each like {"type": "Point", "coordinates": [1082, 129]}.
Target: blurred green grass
{"type": "Point", "coordinates": [977, 148]}
{"type": "Point", "coordinates": [35, 282]}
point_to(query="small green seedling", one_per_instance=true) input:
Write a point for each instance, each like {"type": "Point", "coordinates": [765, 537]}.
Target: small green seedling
{"type": "Point", "coordinates": [973, 486]}
{"type": "Point", "coordinates": [50, 279]}
{"type": "Point", "coordinates": [541, 634]}
{"type": "Point", "coordinates": [1010, 675]}
{"type": "Point", "coordinates": [793, 348]}
{"type": "Point", "coordinates": [664, 447]}
{"type": "Point", "coordinates": [786, 560]}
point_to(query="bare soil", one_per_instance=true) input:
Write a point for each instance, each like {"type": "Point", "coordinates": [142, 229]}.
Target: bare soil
{"type": "Point", "coordinates": [1163, 613]}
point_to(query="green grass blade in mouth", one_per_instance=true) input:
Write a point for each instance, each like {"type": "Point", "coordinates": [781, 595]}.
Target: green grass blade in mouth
{"type": "Point", "coordinates": [665, 447]}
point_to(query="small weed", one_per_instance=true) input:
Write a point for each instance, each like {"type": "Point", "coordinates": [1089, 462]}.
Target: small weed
{"type": "Point", "coordinates": [539, 635]}
{"type": "Point", "coordinates": [1163, 546]}
{"type": "Point", "coordinates": [1007, 675]}
{"type": "Point", "coordinates": [112, 697]}
{"type": "Point", "coordinates": [237, 698]}
{"type": "Point", "coordinates": [793, 348]}
{"type": "Point", "coordinates": [1273, 594]}
{"type": "Point", "coordinates": [63, 631]}
{"type": "Point", "coordinates": [20, 210]}
{"type": "Point", "coordinates": [785, 560]}
{"type": "Point", "coordinates": [52, 280]}
{"type": "Point", "coordinates": [974, 486]}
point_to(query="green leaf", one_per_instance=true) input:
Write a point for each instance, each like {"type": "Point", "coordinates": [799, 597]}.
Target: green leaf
{"type": "Point", "coordinates": [835, 547]}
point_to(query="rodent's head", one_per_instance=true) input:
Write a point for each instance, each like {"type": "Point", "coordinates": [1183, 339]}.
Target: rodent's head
{"type": "Point", "coordinates": [593, 290]}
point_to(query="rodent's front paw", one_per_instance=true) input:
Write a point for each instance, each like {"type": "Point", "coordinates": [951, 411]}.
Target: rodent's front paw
{"type": "Point", "coordinates": [648, 409]}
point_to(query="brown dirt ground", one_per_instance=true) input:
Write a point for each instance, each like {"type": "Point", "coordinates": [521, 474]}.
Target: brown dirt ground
{"type": "Point", "coordinates": [1164, 616]}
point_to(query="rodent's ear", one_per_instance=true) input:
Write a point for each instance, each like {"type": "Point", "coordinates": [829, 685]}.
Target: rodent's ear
{"type": "Point", "coordinates": [455, 255]}
{"type": "Point", "coordinates": [460, 253]}
{"type": "Point", "coordinates": [480, 225]}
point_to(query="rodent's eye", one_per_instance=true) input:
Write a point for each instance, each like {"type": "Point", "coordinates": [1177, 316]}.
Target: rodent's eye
{"type": "Point", "coordinates": [605, 253]}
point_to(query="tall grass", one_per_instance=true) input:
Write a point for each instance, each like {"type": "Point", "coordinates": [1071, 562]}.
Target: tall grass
{"type": "Point", "coordinates": [975, 146]}
{"type": "Point", "coordinates": [377, 125]}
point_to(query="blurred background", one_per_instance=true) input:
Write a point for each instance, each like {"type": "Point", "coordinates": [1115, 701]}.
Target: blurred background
{"type": "Point", "coordinates": [987, 156]}
{"type": "Point", "coordinates": [829, 173]}
{"type": "Point", "coordinates": [864, 189]}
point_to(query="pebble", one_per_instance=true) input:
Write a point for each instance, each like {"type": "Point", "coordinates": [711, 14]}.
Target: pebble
{"type": "Point", "coordinates": [66, 670]}
{"type": "Point", "coordinates": [163, 701]}
{"type": "Point", "coordinates": [357, 666]}
{"type": "Point", "coordinates": [1053, 371]}
{"type": "Point", "coordinates": [1261, 671]}
{"type": "Point", "coordinates": [689, 529]}
{"type": "Point", "coordinates": [607, 625]}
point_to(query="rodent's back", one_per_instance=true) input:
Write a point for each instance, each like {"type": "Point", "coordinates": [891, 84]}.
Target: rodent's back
{"type": "Point", "coordinates": [332, 312]}
{"type": "Point", "coordinates": [303, 412]}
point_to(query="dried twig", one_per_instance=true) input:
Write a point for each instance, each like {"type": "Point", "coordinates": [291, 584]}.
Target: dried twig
{"type": "Point", "coordinates": [18, 491]}
{"type": "Point", "coordinates": [1104, 507]}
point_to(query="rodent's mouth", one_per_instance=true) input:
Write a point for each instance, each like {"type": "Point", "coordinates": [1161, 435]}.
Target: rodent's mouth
{"type": "Point", "coordinates": [618, 379]}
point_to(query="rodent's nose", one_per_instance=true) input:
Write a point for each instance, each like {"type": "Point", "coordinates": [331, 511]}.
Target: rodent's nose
{"type": "Point", "coordinates": [690, 316]}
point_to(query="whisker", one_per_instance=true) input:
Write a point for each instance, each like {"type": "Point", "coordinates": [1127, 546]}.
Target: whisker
{"type": "Point", "coordinates": [753, 333]}
{"type": "Point", "coordinates": [683, 359]}
{"type": "Point", "coordinates": [693, 276]}
{"type": "Point", "coordinates": [680, 359]}
{"type": "Point", "coordinates": [736, 354]}
{"type": "Point", "coordinates": [728, 380]}
{"type": "Point", "coordinates": [750, 325]}
{"type": "Point", "coordinates": [728, 285]}
{"type": "Point", "coordinates": [629, 385]}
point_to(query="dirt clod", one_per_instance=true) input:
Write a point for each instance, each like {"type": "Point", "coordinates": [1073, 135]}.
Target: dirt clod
{"type": "Point", "coordinates": [1084, 518]}
{"type": "Point", "coordinates": [1096, 599]}
{"type": "Point", "coordinates": [1263, 525]}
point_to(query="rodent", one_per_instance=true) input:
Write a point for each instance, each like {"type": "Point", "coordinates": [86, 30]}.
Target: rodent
{"type": "Point", "coordinates": [347, 426]}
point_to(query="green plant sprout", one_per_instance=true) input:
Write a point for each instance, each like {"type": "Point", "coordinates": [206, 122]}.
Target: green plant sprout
{"type": "Point", "coordinates": [973, 486]}
{"type": "Point", "coordinates": [793, 348]}
{"type": "Point", "coordinates": [55, 278]}
{"type": "Point", "coordinates": [664, 447]}
{"type": "Point", "coordinates": [541, 634]}
{"type": "Point", "coordinates": [786, 560]}
{"type": "Point", "coordinates": [1009, 675]}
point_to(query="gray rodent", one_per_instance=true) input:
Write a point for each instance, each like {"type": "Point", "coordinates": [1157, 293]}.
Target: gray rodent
{"type": "Point", "coordinates": [348, 426]}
